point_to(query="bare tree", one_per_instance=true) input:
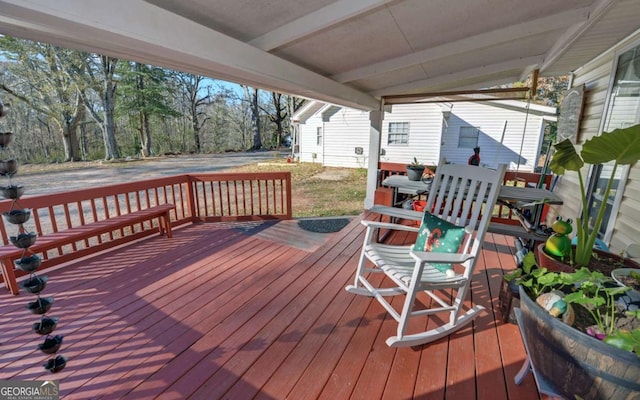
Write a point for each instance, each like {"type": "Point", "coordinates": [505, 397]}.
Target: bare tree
{"type": "Point", "coordinates": [41, 76]}
{"type": "Point", "coordinates": [192, 89]}
{"type": "Point", "coordinates": [251, 96]}
{"type": "Point", "coordinates": [100, 78]}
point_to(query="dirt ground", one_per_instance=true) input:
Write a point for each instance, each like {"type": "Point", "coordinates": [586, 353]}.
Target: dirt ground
{"type": "Point", "coordinates": [51, 178]}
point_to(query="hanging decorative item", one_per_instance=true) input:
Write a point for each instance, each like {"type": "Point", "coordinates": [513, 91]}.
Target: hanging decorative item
{"type": "Point", "coordinates": [29, 262]}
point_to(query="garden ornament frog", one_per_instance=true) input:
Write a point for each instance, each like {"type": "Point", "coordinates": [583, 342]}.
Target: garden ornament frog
{"type": "Point", "coordinates": [559, 244]}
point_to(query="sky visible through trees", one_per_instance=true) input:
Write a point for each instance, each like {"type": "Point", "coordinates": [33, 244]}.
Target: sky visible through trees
{"type": "Point", "coordinates": [70, 105]}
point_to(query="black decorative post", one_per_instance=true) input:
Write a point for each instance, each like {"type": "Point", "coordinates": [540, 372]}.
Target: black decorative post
{"type": "Point", "coordinates": [29, 262]}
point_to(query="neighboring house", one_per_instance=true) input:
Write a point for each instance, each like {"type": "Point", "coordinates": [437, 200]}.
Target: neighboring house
{"type": "Point", "coordinates": [611, 84]}
{"type": "Point", "coordinates": [506, 131]}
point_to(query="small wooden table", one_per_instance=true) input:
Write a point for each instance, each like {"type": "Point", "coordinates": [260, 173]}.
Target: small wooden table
{"type": "Point", "coordinates": [514, 196]}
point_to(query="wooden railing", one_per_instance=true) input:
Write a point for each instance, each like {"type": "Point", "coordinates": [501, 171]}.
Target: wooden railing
{"type": "Point", "coordinates": [198, 198]}
{"type": "Point", "coordinates": [241, 197]}
{"type": "Point", "coordinates": [502, 214]}
{"type": "Point", "coordinates": [386, 169]}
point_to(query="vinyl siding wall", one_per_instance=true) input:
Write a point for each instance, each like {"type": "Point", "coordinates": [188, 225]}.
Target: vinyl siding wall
{"type": "Point", "coordinates": [430, 137]}
{"type": "Point", "coordinates": [425, 127]}
{"type": "Point", "coordinates": [342, 136]}
{"type": "Point", "coordinates": [596, 77]}
{"type": "Point", "coordinates": [519, 147]}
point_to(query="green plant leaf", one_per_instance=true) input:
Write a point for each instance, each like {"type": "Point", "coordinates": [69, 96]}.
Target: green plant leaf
{"type": "Point", "coordinates": [625, 340]}
{"type": "Point", "coordinates": [549, 278]}
{"type": "Point", "coordinates": [580, 298]}
{"type": "Point", "coordinates": [565, 158]}
{"type": "Point", "coordinates": [529, 262]}
{"type": "Point", "coordinates": [620, 145]}
{"type": "Point", "coordinates": [616, 290]}
{"type": "Point", "coordinates": [634, 313]}
{"type": "Point", "coordinates": [516, 273]}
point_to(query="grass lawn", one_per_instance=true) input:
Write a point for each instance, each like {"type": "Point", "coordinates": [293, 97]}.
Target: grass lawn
{"type": "Point", "coordinates": [319, 191]}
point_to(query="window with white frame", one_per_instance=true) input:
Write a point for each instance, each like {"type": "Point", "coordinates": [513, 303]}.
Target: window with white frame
{"type": "Point", "coordinates": [468, 138]}
{"type": "Point", "coordinates": [319, 136]}
{"type": "Point", "coordinates": [623, 109]}
{"type": "Point", "coordinates": [398, 133]}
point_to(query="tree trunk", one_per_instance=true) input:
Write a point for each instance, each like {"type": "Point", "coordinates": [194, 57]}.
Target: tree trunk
{"type": "Point", "coordinates": [70, 132]}
{"type": "Point", "coordinates": [144, 130]}
{"type": "Point", "coordinates": [70, 142]}
{"type": "Point", "coordinates": [109, 102]}
{"type": "Point", "coordinates": [146, 143]}
{"type": "Point", "coordinates": [252, 97]}
{"type": "Point", "coordinates": [195, 124]}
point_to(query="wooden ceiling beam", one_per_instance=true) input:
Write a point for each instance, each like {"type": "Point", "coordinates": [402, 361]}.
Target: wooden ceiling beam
{"type": "Point", "coordinates": [479, 73]}
{"type": "Point", "coordinates": [473, 43]}
{"type": "Point", "coordinates": [574, 33]}
{"type": "Point", "coordinates": [318, 20]}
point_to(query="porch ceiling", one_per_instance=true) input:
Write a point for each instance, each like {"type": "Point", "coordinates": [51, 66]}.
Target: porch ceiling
{"type": "Point", "coordinates": [348, 52]}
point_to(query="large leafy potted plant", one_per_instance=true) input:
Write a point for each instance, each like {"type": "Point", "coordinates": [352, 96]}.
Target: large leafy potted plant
{"type": "Point", "coordinates": [573, 361]}
{"type": "Point", "coordinates": [622, 146]}
{"type": "Point", "coordinates": [571, 323]}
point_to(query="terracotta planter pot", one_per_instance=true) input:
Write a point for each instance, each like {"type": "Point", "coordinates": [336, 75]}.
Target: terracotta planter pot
{"type": "Point", "coordinates": [574, 363]}
{"type": "Point", "coordinates": [551, 264]}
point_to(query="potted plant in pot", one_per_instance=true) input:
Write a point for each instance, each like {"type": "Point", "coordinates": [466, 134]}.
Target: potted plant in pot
{"type": "Point", "coordinates": [580, 340]}
{"type": "Point", "coordinates": [622, 146]}
{"type": "Point", "coordinates": [415, 170]}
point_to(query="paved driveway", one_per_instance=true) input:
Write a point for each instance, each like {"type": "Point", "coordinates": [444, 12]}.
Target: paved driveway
{"type": "Point", "coordinates": [99, 174]}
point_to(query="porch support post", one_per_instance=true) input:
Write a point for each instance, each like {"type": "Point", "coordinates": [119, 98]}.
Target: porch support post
{"type": "Point", "coordinates": [375, 131]}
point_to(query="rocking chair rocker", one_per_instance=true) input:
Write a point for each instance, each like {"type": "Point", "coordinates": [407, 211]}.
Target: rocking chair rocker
{"type": "Point", "coordinates": [456, 218]}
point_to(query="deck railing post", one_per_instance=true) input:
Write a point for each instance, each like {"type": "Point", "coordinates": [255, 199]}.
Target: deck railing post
{"type": "Point", "coordinates": [190, 182]}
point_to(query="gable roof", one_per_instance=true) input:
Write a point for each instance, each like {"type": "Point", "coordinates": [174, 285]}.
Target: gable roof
{"type": "Point", "coordinates": [347, 52]}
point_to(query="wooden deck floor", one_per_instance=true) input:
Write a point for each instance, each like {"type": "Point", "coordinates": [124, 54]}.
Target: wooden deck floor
{"type": "Point", "coordinates": [237, 311]}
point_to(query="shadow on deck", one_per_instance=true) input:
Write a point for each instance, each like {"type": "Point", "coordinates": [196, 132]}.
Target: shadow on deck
{"type": "Point", "coordinates": [253, 310]}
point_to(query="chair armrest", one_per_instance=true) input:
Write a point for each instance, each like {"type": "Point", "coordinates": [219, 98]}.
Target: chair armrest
{"type": "Point", "coordinates": [397, 212]}
{"type": "Point", "coordinates": [389, 225]}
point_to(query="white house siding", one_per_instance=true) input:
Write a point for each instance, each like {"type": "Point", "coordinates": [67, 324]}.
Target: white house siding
{"type": "Point", "coordinates": [425, 127]}
{"type": "Point", "coordinates": [597, 76]}
{"type": "Point", "coordinates": [519, 147]}
{"type": "Point", "coordinates": [429, 137]}
{"type": "Point", "coordinates": [307, 140]}
{"type": "Point", "coordinates": [340, 140]}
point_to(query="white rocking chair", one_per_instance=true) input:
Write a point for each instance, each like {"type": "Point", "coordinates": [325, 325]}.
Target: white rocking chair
{"type": "Point", "coordinates": [463, 196]}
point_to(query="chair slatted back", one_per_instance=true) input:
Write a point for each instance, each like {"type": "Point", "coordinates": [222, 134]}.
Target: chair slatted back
{"type": "Point", "coordinates": [459, 194]}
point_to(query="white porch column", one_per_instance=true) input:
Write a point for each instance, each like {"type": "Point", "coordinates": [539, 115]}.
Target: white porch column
{"type": "Point", "coordinates": [375, 132]}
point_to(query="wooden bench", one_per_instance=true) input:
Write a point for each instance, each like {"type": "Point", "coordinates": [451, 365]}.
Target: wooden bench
{"type": "Point", "coordinates": [9, 253]}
